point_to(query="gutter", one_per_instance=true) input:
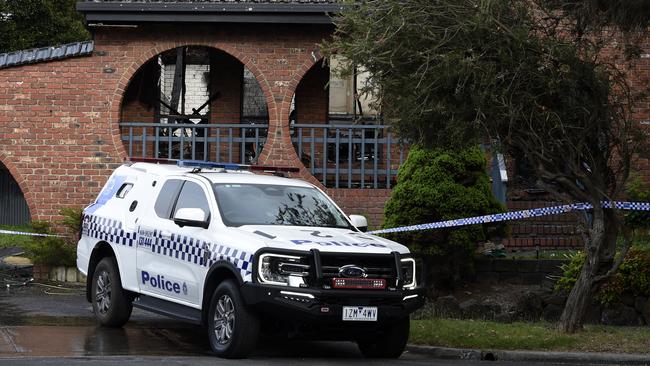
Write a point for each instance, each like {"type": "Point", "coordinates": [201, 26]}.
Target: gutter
{"type": "Point", "coordinates": [290, 13]}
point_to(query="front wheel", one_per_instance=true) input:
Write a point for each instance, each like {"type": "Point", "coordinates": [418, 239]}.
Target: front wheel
{"type": "Point", "coordinates": [387, 344]}
{"type": "Point", "coordinates": [232, 328]}
{"type": "Point", "coordinates": [112, 305]}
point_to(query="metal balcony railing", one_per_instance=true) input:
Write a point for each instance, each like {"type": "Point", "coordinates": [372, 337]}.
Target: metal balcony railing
{"type": "Point", "coordinates": [349, 156]}
{"type": "Point", "coordinates": [340, 156]}
{"type": "Point", "coordinates": [231, 143]}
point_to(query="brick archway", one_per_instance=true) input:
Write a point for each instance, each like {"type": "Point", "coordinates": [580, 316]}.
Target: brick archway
{"type": "Point", "coordinates": [283, 142]}
{"type": "Point", "coordinates": [22, 183]}
{"type": "Point", "coordinates": [117, 97]}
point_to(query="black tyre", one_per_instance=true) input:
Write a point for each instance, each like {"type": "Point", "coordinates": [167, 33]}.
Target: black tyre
{"type": "Point", "coordinates": [232, 328]}
{"type": "Point", "coordinates": [112, 305]}
{"type": "Point", "coordinates": [387, 344]}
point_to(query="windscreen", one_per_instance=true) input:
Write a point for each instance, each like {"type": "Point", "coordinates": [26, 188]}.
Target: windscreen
{"type": "Point", "coordinates": [263, 204]}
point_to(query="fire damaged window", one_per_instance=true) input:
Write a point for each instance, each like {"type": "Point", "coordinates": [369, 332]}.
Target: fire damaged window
{"type": "Point", "coordinates": [195, 103]}
{"type": "Point", "coordinates": [325, 96]}
{"type": "Point", "coordinates": [185, 90]}
{"type": "Point", "coordinates": [254, 108]}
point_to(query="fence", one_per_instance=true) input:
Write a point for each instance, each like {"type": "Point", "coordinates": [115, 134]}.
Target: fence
{"type": "Point", "coordinates": [230, 143]}
{"type": "Point", "coordinates": [349, 156]}
{"type": "Point", "coordinates": [340, 156]}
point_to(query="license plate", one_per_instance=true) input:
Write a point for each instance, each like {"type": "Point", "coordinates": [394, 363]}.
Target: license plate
{"type": "Point", "coordinates": [360, 313]}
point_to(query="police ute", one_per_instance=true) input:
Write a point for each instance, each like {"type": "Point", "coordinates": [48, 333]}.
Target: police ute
{"type": "Point", "coordinates": [243, 250]}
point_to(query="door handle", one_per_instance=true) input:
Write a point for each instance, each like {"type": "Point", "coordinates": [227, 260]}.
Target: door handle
{"type": "Point", "coordinates": [165, 235]}
{"type": "Point", "coordinates": [206, 253]}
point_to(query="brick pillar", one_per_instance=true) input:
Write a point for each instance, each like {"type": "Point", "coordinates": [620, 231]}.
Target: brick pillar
{"type": "Point", "coordinates": [227, 75]}
{"type": "Point", "coordinates": [312, 95]}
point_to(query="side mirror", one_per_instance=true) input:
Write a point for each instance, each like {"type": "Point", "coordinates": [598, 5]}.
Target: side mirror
{"type": "Point", "coordinates": [190, 216]}
{"type": "Point", "coordinates": [360, 222]}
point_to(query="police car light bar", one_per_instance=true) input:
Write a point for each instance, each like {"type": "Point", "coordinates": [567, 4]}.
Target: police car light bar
{"type": "Point", "coordinates": [200, 164]}
{"type": "Point", "coordinates": [151, 160]}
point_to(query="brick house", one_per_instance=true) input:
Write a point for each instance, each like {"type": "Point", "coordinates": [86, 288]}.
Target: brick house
{"type": "Point", "coordinates": [226, 81]}
{"type": "Point", "coordinates": [241, 82]}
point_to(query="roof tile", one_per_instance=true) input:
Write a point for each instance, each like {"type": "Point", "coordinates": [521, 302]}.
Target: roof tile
{"type": "Point", "coordinates": [43, 54]}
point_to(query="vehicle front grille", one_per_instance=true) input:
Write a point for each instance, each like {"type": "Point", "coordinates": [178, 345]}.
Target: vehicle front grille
{"type": "Point", "coordinates": [375, 266]}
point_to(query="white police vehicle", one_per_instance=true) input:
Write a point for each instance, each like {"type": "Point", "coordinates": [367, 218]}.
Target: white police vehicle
{"type": "Point", "coordinates": [241, 253]}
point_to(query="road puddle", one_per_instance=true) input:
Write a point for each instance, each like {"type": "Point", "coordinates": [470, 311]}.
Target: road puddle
{"type": "Point", "coordinates": [99, 341]}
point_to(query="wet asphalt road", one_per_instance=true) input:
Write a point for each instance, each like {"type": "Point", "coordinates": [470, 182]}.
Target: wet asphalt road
{"type": "Point", "coordinates": [172, 344]}
{"type": "Point", "coordinates": [41, 325]}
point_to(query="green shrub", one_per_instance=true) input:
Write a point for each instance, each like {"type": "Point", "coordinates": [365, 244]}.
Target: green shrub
{"type": "Point", "coordinates": [52, 251]}
{"type": "Point", "coordinates": [570, 272]}
{"type": "Point", "coordinates": [435, 185]}
{"type": "Point", "coordinates": [8, 240]}
{"type": "Point", "coordinates": [633, 277]}
{"type": "Point", "coordinates": [72, 219]}
{"type": "Point", "coordinates": [55, 251]}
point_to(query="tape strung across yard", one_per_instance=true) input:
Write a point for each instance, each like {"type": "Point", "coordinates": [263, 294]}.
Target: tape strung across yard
{"type": "Point", "coordinates": [485, 219]}
{"type": "Point", "coordinates": [11, 232]}
{"type": "Point", "coordinates": [516, 215]}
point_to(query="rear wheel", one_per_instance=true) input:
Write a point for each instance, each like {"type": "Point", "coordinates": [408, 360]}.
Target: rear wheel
{"type": "Point", "coordinates": [387, 344]}
{"type": "Point", "coordinates": [112, 305]}
{"type": "Point", "coordinates": [232, 328]}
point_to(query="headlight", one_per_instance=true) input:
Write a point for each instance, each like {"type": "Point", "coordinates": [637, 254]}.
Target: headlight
{"type": "Point", "coordinates": [282, 270]}
{"type": "Point", "coordinates": [408, 273]}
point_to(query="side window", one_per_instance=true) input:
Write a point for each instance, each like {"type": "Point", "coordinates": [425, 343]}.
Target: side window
{"type": "Point", "coordinates": [166, 197]}
{"type": "Point", "coordinates": [192, 195]}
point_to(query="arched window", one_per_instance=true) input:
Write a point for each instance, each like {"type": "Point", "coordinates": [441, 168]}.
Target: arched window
{"type": "Point", "coordinates": [195, 103]}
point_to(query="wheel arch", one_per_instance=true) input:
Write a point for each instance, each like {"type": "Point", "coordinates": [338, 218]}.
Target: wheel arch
{"type": "Point", "coordinates": [220, 271]}
{"type": "Point", "coordinates": [101, 250]}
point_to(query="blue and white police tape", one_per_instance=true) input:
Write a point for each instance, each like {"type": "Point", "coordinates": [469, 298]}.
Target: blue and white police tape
{"type": "Point", "coordinates": [516, 215]}
{"type": "Point", "coordinates": [11, 232]}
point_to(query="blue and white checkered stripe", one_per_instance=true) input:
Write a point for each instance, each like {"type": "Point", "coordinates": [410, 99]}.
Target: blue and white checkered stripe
{"type": "Point", "coordinates": [516, 215]}
{"type": "Point", "coordinates": [111, 230]}
{"type": "Point", "coordinates": [239, 258]}
{"type": "Point", "coordinates": [180, 247]}
{"type": "Point", "coordinates": [193, 250]}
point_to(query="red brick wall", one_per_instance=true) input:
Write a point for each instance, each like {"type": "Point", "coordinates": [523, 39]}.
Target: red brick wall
{"type": "Point", "coordinates": [640, 80]}
{"type": "Point", "coordinates": [59, 120]}
{"type": "Point", "coordinates": [136, 111]}
{"type": "Point", "coordinates": [312, 96]}
{"type": "Point", "coordinates": [367, 202]}
{"type": "Point", "coordinates": [227, 73]}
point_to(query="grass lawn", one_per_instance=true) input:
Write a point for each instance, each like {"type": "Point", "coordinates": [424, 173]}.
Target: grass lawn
{"type": "Point", "coordinates": [528, 336]}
